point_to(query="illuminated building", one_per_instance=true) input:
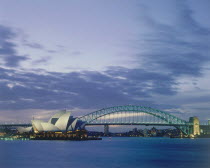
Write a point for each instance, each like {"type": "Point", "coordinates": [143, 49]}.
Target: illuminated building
{"type": "Point", "coordinates": [60, 122]}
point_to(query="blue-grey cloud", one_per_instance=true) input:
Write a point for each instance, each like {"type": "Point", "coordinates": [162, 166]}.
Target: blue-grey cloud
{"type": "Point", "coordinates": [52, 51]}
{"type": "Point", "coordinates": [33, 45]}
{"type": "Point", "coordinates": [87, 89]}
{"type": "Point", "coordinates": [43, 60]}
{"type": "Point", "coordinates": [8, 51]}
{"type": "Point", "coordinates": [181, 48]}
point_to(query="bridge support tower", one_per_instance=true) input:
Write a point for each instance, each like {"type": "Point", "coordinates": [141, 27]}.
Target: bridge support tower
{"type": "Point", "coordinates": [195, 128]}
{"type": "Point", "coordinates": [106, 129]}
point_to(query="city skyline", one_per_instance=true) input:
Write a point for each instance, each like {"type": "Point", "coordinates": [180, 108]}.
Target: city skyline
{"type": "Point", "coordinates": [85, 56]}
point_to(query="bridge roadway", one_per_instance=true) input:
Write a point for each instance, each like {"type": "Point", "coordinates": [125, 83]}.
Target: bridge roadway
{"type": "Point", "coordinates": [16, 125]}
{"type": "Point", "coordinates": [92, 124]}
{"type": "Point", "coordinates": [146, 124]}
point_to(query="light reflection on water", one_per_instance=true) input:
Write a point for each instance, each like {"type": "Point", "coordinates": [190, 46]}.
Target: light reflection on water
{"type": "Point", "coordinates": [119, 152]}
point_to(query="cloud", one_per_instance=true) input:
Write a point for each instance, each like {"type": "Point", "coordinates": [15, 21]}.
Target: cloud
{"type": "Point", "coordinates": [33, 44]}
{"type": "Point", "coordinates": [43, 60]}
{"type": "Point", "coordinates": [178, 48]}
{"type": "Point", "coordinates": [90, 90]}
{"type": "Point", "coordinates": [52, 51]}
{"type": "Point", "coordinates": [76, 53]}
{"type": "Point", "coordinates": [14, 60]}
{"type": "Point", "coordinates": [86, 89]}
{"type": "Point", "coordinates": [8, 51]}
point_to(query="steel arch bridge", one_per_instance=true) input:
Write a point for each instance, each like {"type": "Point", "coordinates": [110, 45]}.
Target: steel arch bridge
{"type": "Point", "coordinates": [135, 115]}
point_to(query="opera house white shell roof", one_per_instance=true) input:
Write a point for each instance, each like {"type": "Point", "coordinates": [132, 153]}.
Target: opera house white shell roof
{"type": "Point", "coordinates": [62, 121]}
{"type": "Point", "coordinates": [24, 129]}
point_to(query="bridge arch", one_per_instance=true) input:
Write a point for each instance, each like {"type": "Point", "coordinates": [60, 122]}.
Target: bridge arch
{"type": "Point", "coordinates": [166, 118]}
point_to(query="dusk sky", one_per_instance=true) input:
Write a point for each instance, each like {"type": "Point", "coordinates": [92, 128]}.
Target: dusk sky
{"type": "Point", "coordinates": [84, 55]}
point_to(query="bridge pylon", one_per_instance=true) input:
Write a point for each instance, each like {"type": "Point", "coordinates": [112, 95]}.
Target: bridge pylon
{"type": "Point", "coordinates": [195, 127]}
{"type": "Point", "coordinates": [106, 129]}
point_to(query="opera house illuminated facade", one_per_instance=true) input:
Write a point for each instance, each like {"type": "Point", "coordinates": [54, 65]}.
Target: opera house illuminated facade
{"type": "Point", "coordinates": [60, 122]}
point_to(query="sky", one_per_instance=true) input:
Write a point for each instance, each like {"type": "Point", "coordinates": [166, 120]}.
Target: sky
{"type": "Point", "coordinates": [87, 55]}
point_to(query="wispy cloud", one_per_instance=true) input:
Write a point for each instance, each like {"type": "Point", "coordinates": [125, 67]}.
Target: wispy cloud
{"type": "Point", "coordinates": [43, 60]}
{"type": "Point", "coordinates": [86, 89]}
{"type": "Point", "coordinates": [8, 48]}
{"type": "Point", "coordinates": [181, 48]}
{"type": "Point", "coordinates": [33, 44]}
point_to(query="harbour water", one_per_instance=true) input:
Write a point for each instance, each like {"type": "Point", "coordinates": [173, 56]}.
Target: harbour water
{"type": "Point", "coordinates": [115, 152]}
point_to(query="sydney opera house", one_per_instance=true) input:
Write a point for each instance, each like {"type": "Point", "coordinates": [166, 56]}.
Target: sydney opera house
{"type": "Point", "coordinates": [60, 122]}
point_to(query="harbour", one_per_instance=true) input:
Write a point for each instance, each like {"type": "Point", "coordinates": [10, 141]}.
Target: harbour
{"type": "Point", "coordinates": [115, 152]}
